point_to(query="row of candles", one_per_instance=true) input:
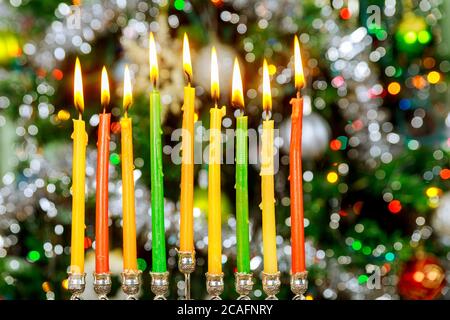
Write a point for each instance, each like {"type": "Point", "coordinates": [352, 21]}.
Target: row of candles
{"type": "Point", "coordinates": [186, 263]}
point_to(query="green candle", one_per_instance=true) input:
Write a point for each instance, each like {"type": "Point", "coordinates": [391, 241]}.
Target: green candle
{"type": "Point", "coordinates": [157, 186]}
{"type": "Point", "coordinates": [156, 169]}
{"type": "Point", "coordinates": [242, 229]}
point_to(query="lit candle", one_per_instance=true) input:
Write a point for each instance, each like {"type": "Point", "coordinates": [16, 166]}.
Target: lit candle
{"type": "Point", "coordinates": [128, 200]}
{"type": "Point", "coordinates": [267, 181]}
{"type": "Point", "coordinates": [214, 196]}
{"type": "Point", "coordinates": [156, 167]}
{"type": "Point", "coordinates": [295, 169]}
{"type": "Point", "coordinates": [187, 158]}
{"type": "Point", "coordinates": [242, 228]}
{"type": "Point", "coordinates": [101, 207]}
{"type": "Point", "coordinates": [80, 140]}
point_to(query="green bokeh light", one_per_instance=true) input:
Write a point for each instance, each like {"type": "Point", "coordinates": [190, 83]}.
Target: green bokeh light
{"type": "Point", "coordinates": [142, 264]}
{"type": "Point", "coordinates": [424, 37]}
{"type": "Point", "coordinates": [362, 279]}
{"type": "Point", "coordinates": [179, 4]}
{"type": "Point", "coordinates": [356, 245]}
{"type": "Point", "coordinates": [34, 256]}
{"type": "Point", "coordinates": [410, 37]}
{"type": "Point", "coordinates": [114, 158]}
{"type": "Point", "coordinates": [367, 251]}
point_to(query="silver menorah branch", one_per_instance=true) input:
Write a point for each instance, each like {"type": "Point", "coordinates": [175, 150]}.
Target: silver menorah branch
{"type": "Point", "coordinates": [243, 284]}
{"type": "Point", "coordinates": [299, 285]}
{"type": "Point", "coordinates": [131, 283]}
{"type": "Point", "coordinates": [186, 265]}
{"type": "Point", "coordinates": [76, 285]}
{"type": "Point", "coordinates": [160, 285]}
{"type": "Point", "coordinates": [271, 285]}
{"type": "Point", "coordinates": [214, 285]}
{"type": "Point", "coordinates": [102, 285]}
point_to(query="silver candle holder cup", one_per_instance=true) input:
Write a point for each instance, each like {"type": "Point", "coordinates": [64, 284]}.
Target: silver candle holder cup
{"type": "Point", "coordinates": [214, 285]}
{"type": "Point", "coordinates": [160, 285]}
{"type": "Point", "coordinates": [102, 285]}
{"type": "Point", "coordinates": [243, 284]}
{"type": "Point", "coordinates": [299, 285]}
{"type": "Point", "coordinates": [131, 283]}
{"type": "Point", "coordinates": [186, 265]}
{"type": "Point", "coordinates": [76, 283]}
{"type": "Point", "coordinates": [271, 285]}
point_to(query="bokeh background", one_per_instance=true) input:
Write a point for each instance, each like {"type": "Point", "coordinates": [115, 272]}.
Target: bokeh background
{"type": "Point", "coordinates": [376, 137]}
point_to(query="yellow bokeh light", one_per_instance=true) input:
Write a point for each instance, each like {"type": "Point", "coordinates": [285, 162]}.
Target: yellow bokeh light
{"type": "Point", "coordinates": [332, 177]}
{"type": "Point", "coordinates": [433, 192]}
{"type": "Point", "coordinates": [434, 77]}
{"type": "Point", "coordinates": [65, 284]}
{"type": "Point", "coordinates": [272, 69]}
{"type": "Point", "coordinates": [309, 297]}
{"type": "Point", "coordinates": [394, 88]}
{"type": "Point", "coordinates": [46, 286]}
{"type": "Point", "coordinates": [63, 115]}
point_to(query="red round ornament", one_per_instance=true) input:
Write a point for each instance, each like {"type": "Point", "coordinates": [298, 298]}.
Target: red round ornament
{"type": "Point", "coordinates": [422, 278]}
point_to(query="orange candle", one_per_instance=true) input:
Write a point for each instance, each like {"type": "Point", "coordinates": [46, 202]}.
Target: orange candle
{"type": "Point", "coordinates": [187, 158]}
{"type": "Point", "coordinates": [128, 200]}
{"type": "Point", "coordinates": [101, 212]}
{"type": "Point", "coordinates": [295, 170]}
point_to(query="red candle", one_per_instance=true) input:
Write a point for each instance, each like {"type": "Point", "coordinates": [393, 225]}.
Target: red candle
{"type": "Point", "coordinates": [295, 171]}
{"type": "Point", "coordinates": [296, 184]}
{"type": "Point", "coordinates": [101, 212]}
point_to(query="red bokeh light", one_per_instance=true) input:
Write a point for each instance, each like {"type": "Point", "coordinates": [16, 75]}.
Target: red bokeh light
{"type": "Point", "coordinates": [345, 13]}
{"type": "Point", "coordinates": [395, 206]}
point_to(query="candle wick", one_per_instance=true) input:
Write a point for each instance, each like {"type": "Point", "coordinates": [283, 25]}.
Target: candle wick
{"type": "Point", "coordinates": [216, 102]}
{"type": "Point", "coordinates": [79, 116]}
{"type": "Point", "coordinates": [126, 114]}
{"type": "Point", "coordinates": [298, 94]}
{"type": "Point", "coordinates": [154, 84]}
{"type": "Point", "coordinates": [188, 76]}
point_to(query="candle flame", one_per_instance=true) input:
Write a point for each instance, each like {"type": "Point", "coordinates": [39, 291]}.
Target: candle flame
{"type": "Point", "coordinates": [267, 95]}
{"type": "Point", "coordinates": [153, 60]}
{"type": "Point", "coordinates": [127, 91]}
{"type": "Point", "coordinates": [237, 97]}
{"type": "Point", "coordinates": [215, 91]}
{"type": "Point", "coordinates": [187, 66]}
{"type": "Point", "coordinates": [105, 88]}
{"type": "Point", "coordinates": [298, 65]}
{"type": "Point", "coordinates": [78, 88]}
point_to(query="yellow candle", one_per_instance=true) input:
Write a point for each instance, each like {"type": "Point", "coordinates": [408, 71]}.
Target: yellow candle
{"type": "Point", "coordinates": [187, 158]}
{"type": "Point", "coordinates": [267, 183]}
{"type": "Point", "coordinates": [214, 198]}
{"type": "Point", "coordinates": [80, 140]}
{"type": "Point", "coordinates": [128, 200]}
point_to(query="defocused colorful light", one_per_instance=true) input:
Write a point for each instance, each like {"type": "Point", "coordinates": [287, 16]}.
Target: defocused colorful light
{"type": "Point", "coordinates": [395, 206]}
{"type": "Point", "coordinates": [424, 37]}
{"type": "Point", "coordinates": [434, 77]}
{"type": "Point", "coordinates": [445, 174]}
{"type": "Point", "coordinates": [433, 192]}
{"type": "Point", "coordinates": [332, 177]}
{"type": "Point", "coordinates": [345, 13]}
{"type": "Point", "coordinates": [394, 88]}
{"type": "Point", "coordinates": [410, 37]}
